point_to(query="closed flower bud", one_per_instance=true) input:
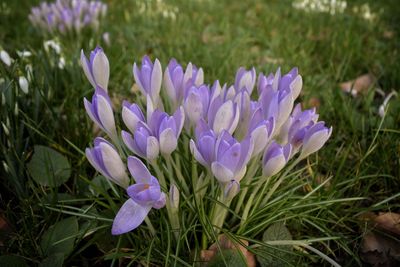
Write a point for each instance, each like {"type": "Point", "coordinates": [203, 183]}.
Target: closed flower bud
{"type": "Point", "coordinates": [315, 138]}
{"type": "Point", "coordinates": [275, 158]}
{"type": "Point", "coordinates": [23, 84]}
{"type": "Point", "coordinates": [97, 69]}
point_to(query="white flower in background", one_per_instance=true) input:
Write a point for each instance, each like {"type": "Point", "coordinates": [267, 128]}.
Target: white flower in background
{"type": "Point", "coordinates": [23, 84]}
{"type": "Point", "coordinates": [321, 6]}
{"type": "Point", "coordinates": [5, 57]}
{"type": "Point", "coordinates": [53, 45]}
{"type": "Point", "coordinates": [382, 108]}
{"type": "Point", "coordinates": [24, 53]}
{"type": "Point", "coordinates": [61, 63]}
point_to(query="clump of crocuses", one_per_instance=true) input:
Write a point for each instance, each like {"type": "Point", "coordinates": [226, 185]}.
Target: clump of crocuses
{"type": "Point", "coordinates": [68, 16]}
{"type": "Point", "coordinates": [224, 136]}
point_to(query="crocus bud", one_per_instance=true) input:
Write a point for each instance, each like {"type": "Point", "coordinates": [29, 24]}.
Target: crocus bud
{"type": "Point", "coordinates": [174, 196]}
{"type": "Point", "coordinates": [131, 115]}
{"type": "Point", "coordinates": [100, 111]}
{"type": "Point", "coordinates": [106, 160]}
{"type": "Point", "coordinates": [223, 116]}
{"type": "Point", "coordinates": [231, 189]}
{"type": "Point", "coordinates": [231, 158]}
{"type": "Point", "coordinates": [196, 103]}
{"type": "Point", "coordinates": [97, 68]}
{"type": "Point", "coordinates": [315, 138]}
{"type": "Point", "coordinates": [173, 82]}
{"type": "Point", "coordinates": [275, 158]}
{"type": "Point", "coordinates": [245, 79]}
{"type": "Point", "coordinates": [203, 148]}
{"type": "Point", "coordinates": [169, 130]}
{"type": "Point", "coordinates": [193, 76]}
{"type": "Point", "coordinates": [143, 144]}
{"type": "Point", "coordinates": [5, 57]}
{"type": "Point", "coordinates": [149, 78]}
{"type": "Point", "coordinates": [23, 84]}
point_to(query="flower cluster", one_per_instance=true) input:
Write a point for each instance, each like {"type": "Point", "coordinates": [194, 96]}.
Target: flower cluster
{"type": "Point", "coordinates": [225, 128]}
{"type": "Point", "coordinates": [67, 16]}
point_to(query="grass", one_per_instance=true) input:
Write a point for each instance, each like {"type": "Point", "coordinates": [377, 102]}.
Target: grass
{"type": "Point", "coordinates": [357, 171]}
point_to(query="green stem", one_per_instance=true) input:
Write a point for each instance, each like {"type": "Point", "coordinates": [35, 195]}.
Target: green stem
{"type": "Point", "coordinates": [150, 225]}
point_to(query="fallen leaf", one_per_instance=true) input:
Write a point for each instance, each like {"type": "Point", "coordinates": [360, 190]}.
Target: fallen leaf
{"type": "Point", "coordinates": [314, 102]}
{"type": "Point", "coordinates": [227, 244]}
{"type": "Point", "coordinates": [380, 250]}
{"type": "Point", "coordinates": [388, 221]}
{"type": "Point", "coordinates": [359, 85]}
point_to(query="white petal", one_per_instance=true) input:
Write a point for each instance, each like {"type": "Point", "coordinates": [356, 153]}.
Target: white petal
{"type": "Point", "coordinates": [101, 70]}
{"type": "Point", "coordinates": [196, 153]}
{"type": "Point", "coordinates": [23, 84]}
{"type": "Point", "coordinates": [5, 57]}
{"type": "Point", "coordinates": [106, 116]}
{"type": "Point", "coordinates": [156, 78]}
{"type": "Point", "coordinates": [274, 165]}
{"type": "Point", "coordinates": [223, 117]}
{"type": "Point", "coordinates": [86, 70]}
{"type": "Point", "coordinates": [222, 173]}
{"type": "Point", "coordinates": [114, 165]}
{"type": "Point", "coordinates": [199, 78]}
{"type": "Point", "coordinates": [168, 141]}
{"type": "Point", "coordinates": [153, 148]}
{"type": "Point", "coordinates": [296, 86]}
{"type": "Point", "coordinates": [315, 142]}
{"type": "Point", "coordinates": [130, 119]}
{"type": "Point", "coordinates": [260, 139]}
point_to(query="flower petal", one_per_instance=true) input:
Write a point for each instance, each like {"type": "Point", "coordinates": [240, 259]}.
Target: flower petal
{"type": "Point", "coordinates": [129, 217]}
{"type": "Point", "coordinates": [138, 170]}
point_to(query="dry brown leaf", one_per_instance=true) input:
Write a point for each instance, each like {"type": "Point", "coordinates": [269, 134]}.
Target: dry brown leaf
{"type": "Point", "coordinates": [226, 243]}
{"type": "Point", "coordinates": [380, 250]}
{"type": "Point", "coordinates": [359, 85]}
{"type": "Point", "coordinates": [388, 221]}
{"type": "Point", "coordinates": [314, 102]}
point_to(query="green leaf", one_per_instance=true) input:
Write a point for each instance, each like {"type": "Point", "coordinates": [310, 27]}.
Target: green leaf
{"type": "Point", "coordinates": [54, 260]}
{"type": "Point", "coordinates": [12, 261]}
{"type": "Point", "coordinates": [100, 185]}
{"type": "Point", "coordinates": [60, 237]}
{"type": "Point", "coordinates": [277, 255]}
{"type": "Point", "coordinates": [48, 167]}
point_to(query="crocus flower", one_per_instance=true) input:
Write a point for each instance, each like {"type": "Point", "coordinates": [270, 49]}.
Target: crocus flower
{"type": "Point", "coordinates": [68, 16]}
{"type": "Point", "coordinates": [196, 103]}
{"type": "Point", "coordinates": [203, 149]}
{"type": "Point", "coordinates": [106, 160]}
{"type": "Point", "coordinates": [144, 195]}
{"type": "Point", "coordinates": [173, 82]}
{"type": "Point", "coordinates": [275, 158]}
{"type": "Point", "coordinates": [260, 130]}
{"type": "Point", "coordinates": [193, 76]}
{"type": "Point", "coordinates": [168, 129]}
{"type": "Point", "coordinates": [231, 189]}
{"type": "Point", "coordinates": [315, 138]}
{"type": "Point", "coordinates": [100, 111]}
{"type": "Point", "coordinates": [223, 115]}
{"type": "Point", "coordinates": [143, 144]}
{"type": "Point", "coordinates": [97, 69]}
{"type": "Point", "coordinates": [131, 115]}
{"type": "Point", "coordinates": [245, 79]}
{"type": "Point", "coordinates": [231, 158]}
{"type": "Point", "coordinates": [149, 78]}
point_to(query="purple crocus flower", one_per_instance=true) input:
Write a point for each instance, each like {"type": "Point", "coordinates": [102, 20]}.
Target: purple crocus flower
{"type": "Point", "coordinates": [203, 149]}
{"type": "Point", "coordinates": [144, 195]}
{"type": "Point", "coordinates": [231, 157]}
{"type": "Point", "coordinates": [275, 158]}
{"type": "Point", "coordinates": [193, 76]}
{"type": "Point", "coordinates": [315, 138]}
{"type": "Point", "coordinates": [245, 79]}
{"type": "Point", "coordinates": [97, 68]}
{"type": "Point", "coordinates": [106, 160]}
{"type": "Point", "coordinates": [231, 189]}
{"type": "Point", "coordinates": [173, 82]}
{"type": "Point", "coordinates": [260, 130]}
{"type": "Point", "coordinates": [196, 103]}
{"type": "Point", "coordinates": [131, 115]}
{"type": "Point", "coordinates": [144, 143]}
{"type": "Point", "coordinates": [149, 78]}
{"type": "Point", "coordinates": [100, 111]}
{"type": "Point", "coordinates": [169, 129]}
{"type": "Point", "coordinates": [223, 115]}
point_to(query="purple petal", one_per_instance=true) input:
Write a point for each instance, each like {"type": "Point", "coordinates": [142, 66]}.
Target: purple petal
{"type": "Point", "coordinates": [138, 170]}
{"type": "Point", "coordinates": [129, 217]}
